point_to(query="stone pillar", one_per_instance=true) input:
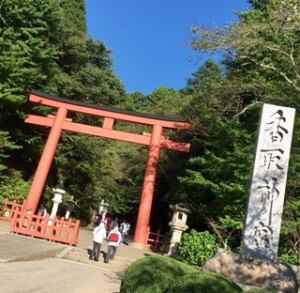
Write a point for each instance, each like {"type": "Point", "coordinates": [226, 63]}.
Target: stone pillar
{"type": "Point", "coordinates": [57, 199]}
{"type": "Point", "coordinates": [267, 189]}
{"type": "Point", "coordinates": [178, 226]}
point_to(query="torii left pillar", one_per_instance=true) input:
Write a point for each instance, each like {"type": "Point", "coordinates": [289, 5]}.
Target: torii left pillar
{"type": "Point", "coordinates": [44, 165]}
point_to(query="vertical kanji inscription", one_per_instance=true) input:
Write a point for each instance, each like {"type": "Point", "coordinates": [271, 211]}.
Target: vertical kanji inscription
{"type": "Point", "coordinates": [263, 221]}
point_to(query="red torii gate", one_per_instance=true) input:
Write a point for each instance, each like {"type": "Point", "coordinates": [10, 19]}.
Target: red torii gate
{"type": "Point", "coordinates": [155, 141]}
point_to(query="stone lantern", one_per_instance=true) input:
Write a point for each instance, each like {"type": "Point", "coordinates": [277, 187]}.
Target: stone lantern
{"type": "Point", "coordinates": [103, 209]}
{"type": "Point", "coordinates": [178, 225]}
{"type": "Point", "coordinates": [57, 199]}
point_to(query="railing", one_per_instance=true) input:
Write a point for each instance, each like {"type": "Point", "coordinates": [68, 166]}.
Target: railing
{"type": "Point", "coordinates": [44, 227]}
{"type": "Point", "coordinates": [9, 208]}
{"type": "Point", "coordinates": [155, 240]}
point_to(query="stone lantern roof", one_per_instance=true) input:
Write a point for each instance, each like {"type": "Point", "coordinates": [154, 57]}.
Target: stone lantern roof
{"type": "Point", "coordinates": [181, 207]}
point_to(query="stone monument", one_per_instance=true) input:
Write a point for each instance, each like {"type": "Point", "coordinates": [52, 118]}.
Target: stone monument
{"type": "Point", "coordinates": [257, 266]}
{"type": "Point", "coordinates": [263, 222]}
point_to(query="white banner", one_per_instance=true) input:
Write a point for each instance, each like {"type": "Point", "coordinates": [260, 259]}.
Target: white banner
{"type": "Point", "coordinates": [262, 227]}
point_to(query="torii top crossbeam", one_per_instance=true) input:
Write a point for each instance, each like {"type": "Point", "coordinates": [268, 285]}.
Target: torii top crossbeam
{"type": "Point", "coordinates": [110, 115]}
{"type": "Point", "coordinates": [59, 122]}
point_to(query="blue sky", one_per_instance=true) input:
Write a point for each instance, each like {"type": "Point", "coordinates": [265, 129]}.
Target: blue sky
{"type": "Point", "coordinates": [150, 40]}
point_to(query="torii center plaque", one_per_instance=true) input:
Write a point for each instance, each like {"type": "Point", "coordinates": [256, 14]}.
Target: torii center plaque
{"type": "Point", "coordinates": [263, 221]}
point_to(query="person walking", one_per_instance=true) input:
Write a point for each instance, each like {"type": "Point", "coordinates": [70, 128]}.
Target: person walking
{"type": "Point", "coordinates": [99, 234]}
{"type": "Point", "coordinates": [124, 229]}
{"type": "Point", "coordinates": [114, 239]}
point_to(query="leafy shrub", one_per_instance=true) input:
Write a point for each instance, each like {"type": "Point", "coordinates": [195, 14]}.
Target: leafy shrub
{"type": "Point", "coordinates": [196, 247]}
{"type": "Point", "coordinates": [290, 256]}
{"type": "Point", "coordinates": [14, 187]}
{"type": "Point", "coordinates": [203, 282]}
{"type": "Point", "coordinates": [153, 274]}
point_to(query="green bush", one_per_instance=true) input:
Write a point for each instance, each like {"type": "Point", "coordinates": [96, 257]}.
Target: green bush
{"type": "Point", "coordinates": [157, 274]}
{"type": "Point", "coordinates": [196, 247]}
{"type": "Point", "coordinates": [154, 274]}
{"type": "Point", "coordinates": [290, 256]}
{"type": "Point", "coordinates": [205, 283]}
{"type": "Point", "coordinates": [14, 187]}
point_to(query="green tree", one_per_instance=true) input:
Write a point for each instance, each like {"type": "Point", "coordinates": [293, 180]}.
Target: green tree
{"type": "Point", "coordinates": [259, 4]}
{"type": "Point", "coordinates": [44, 45]}
{"type": "Point", "coordinates": [262, 58]}
{"type": "Point", "coordinates": [266, 41]}
{"type": "Point", "coordinates": [136, 102]}
{"type": "Point", "coordinates": [28, 54]}
{"type": "Point", "coordinates": [215, 182]}
{"type": "Point", "coordinates": [85, 65]}
{"type": "Point", "coordinates": [166, 101]}
{"type": "Point", "coordinates": [6, 145]}
{"type": "Point", "coordinates": [206, 76]}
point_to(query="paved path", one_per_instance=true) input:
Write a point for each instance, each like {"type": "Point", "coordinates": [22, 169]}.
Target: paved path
{"type": "Point", "coordinates": [70, 271]}
{"type": "Point", "coordinates": [4, 227]}
{"type": "Point", "coordinates": [18, 248]}
{"type": "Point", "coordinates": [124, 257]}
{"type": "Point", "coordinates": [56, 276]}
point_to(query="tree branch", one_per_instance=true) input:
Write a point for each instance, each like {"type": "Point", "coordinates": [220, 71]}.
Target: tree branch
{"type": "Point", "coordinates": [246, 109]}
{"type": "Point", "coordinates": [281, 73]}
{"type": "Point", "coordinates": [216, 231]}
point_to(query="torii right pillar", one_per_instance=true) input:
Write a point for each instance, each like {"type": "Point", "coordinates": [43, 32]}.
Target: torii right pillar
{"type": "Point", "coordinates": [142, 226]}
{"type": "Point", "coordinates": [142, 230]}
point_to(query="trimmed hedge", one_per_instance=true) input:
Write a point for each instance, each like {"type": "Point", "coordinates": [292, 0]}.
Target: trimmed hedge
{"type": "Point", "coordinates": [153, 274]}
{"type": "Point", "coordinates": [205, 283]}
{"type": "Point", "coordinates": [261, 291]}
{"type": "Point", "coordinates": [159, 274]}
